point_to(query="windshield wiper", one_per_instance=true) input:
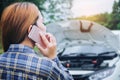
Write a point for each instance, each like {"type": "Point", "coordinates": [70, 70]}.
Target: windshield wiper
{"type": "Point", "coordinates": [105, 53]}
{"type": "Point", "coordinates": [61, 52]}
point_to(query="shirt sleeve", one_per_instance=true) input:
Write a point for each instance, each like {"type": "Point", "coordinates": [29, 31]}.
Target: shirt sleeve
{"type": "Point", "coordinates": [57, 61]}
{"type": "Point", "coordinates": [63, 72]}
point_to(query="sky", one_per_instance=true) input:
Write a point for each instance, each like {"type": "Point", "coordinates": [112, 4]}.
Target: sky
{"type": "Point", "coordinates": [91, 7]}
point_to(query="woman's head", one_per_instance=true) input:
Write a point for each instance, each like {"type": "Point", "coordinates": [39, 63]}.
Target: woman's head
{"type": "Point", "coordinates": [15, 22]}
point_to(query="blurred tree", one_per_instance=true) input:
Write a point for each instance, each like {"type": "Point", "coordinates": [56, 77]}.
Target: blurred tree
{"type": "Point", "coordinates": [52, 10]}
{"type": "Point", "coordinates": [56, 10]}
{"type": "Point", "coordinates": [102, 18]}
{"type": "Point", "coordinates": [118, 26]}
{"type": "Point", "coordinates": [115, 16]}
{"type": "Point", "coordinates": [110, 20]}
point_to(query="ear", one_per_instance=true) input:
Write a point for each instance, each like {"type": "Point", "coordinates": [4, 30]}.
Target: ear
{"type": "Point", "coordinates": [29, 29]}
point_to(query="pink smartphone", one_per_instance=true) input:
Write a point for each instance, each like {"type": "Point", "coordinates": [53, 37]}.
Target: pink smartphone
{"type": "Point", "coordinates": [35, 35]}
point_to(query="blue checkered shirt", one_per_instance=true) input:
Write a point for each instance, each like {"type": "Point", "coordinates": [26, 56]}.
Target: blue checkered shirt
{"type": "Point", "coordinates": [22, 63]}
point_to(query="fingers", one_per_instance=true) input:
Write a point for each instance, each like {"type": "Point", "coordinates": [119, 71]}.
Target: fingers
{"type": "Point", "coordinates": [44, 39]}
{"type": "Point", "coordinates": [51, 38]}
{"type": "Point", "coordinates": [50, 42]}
{"type": "Point", "coordinates": [48, 39]}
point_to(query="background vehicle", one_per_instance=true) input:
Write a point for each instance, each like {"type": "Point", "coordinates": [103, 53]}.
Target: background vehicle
{"type": "Point", "coordinates": [89, 50]}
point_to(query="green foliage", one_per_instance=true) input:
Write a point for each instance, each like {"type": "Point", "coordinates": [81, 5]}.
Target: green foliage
{"type": "Point", "coordinates": [1, 50]}
{"type": "Point", "coordinates": [102, 18]}
{"type": "Point", "coordinates": [114, 21]}
{"type": "Point", "coordinates": [110, 20]}
{"type": "Point", "coordinates": [52, 10]}
{"type": "Point", "coordinates": [118, 26]}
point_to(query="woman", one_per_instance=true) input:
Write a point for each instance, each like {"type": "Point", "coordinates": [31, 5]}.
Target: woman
{"type": "Point", "coordinates": [19, 61]}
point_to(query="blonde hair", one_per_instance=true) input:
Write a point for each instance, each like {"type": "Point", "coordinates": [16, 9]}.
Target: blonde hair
{"type": "Point", "coordinates": [15, 21]}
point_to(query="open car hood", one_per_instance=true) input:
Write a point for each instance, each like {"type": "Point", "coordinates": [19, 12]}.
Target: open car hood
{"type": "Point", "coordinates": [85, 47]}
{"type": "Point", "coordinates": [72, 33]}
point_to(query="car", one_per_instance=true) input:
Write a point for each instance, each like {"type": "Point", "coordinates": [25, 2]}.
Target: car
{"type": "Point", "coordinates": [87, 49]}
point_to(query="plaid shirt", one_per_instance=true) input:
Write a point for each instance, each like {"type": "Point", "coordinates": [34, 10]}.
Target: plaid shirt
{"type": "Point", "coordinates": [22, 63]}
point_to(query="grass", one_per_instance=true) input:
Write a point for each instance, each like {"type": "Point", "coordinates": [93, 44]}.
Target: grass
{"type": "Point", "coordinates": [1, 51]}
{"type": "Point", "coordinates": [37, 50]}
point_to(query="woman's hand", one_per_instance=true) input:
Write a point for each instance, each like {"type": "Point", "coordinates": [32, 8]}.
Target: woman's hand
{"type": "Point", "coordinates": [49, 42]}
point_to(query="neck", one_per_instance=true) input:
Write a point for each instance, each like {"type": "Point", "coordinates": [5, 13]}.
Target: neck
{"type": "Point", "coordinates": [28, 42]}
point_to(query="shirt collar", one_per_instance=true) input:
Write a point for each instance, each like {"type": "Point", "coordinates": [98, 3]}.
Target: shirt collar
{"type": "Point", "coordinates": [20, 48]}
